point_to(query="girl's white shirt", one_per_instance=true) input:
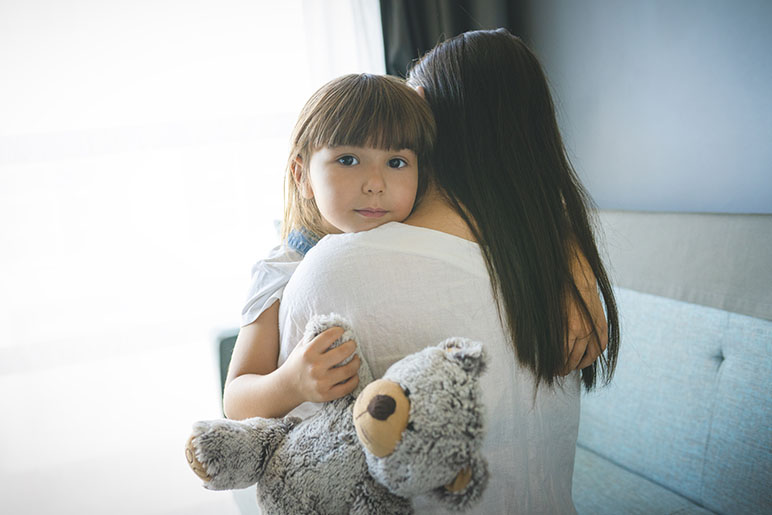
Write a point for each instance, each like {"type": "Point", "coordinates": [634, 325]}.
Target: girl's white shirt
{"type": "Point", "coordinates": [269, 277]}
{"type": "Point", "coordinates": [405, 287]}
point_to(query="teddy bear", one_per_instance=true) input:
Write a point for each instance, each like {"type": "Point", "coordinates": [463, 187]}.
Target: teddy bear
{"type": "Point", "coordinates": [418, 430]}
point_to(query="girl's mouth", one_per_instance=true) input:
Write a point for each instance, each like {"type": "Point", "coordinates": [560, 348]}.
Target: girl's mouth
{"type": "Point", "coordinates": [371, 213]}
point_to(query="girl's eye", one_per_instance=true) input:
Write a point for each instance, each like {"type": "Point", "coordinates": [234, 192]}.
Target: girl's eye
{"type": "Point", "coordinates": [397, 162]}
{"type": "Point", "coordinates": [348, 160]}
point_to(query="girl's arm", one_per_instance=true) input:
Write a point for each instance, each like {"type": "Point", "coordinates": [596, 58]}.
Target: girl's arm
{"type": "Point", "coordinates": [255, 387]}
{"type": "Point", "coordinates": [583, 343]}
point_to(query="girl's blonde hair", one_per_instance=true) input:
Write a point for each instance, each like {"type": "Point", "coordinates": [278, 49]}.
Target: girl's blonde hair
{"type": "Point", "coordinates": [378, 111]}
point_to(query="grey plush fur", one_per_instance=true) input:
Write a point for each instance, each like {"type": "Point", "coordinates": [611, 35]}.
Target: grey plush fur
{"type": "Point", "coordinates": [319, 466]}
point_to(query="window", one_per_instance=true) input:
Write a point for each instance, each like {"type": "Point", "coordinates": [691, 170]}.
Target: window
{"type": "Point", "coordinates": [142, 152]}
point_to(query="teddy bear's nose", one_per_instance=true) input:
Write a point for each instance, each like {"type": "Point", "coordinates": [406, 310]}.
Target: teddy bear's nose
{"type": "Point", "coordinates": [381, 407]}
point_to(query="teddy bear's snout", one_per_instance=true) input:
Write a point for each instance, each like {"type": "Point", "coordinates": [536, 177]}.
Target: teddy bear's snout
{"type": "Point", "coordinates": [380, 416]}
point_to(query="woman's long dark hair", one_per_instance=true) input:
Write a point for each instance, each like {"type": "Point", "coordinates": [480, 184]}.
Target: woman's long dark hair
{"type": "Point", "coordinates": [500, 161]}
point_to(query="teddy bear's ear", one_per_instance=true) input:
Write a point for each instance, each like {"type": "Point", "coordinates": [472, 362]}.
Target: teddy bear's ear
{"type": "Point", "coordinates": [470, 354]}
{"type": "Point", "coordinates": [467, 487]}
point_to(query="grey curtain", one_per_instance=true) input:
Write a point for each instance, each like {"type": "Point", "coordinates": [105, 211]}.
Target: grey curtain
{"type": "Point", "coordinates": [412, 27]}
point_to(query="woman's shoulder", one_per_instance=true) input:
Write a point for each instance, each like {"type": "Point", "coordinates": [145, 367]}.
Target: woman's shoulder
{"type": "Point", "coordinates": [350, 240]}
{"type": "Point", "coordinates": [397, 234]}
{"type": "Point", "coordinates": [399, 240]}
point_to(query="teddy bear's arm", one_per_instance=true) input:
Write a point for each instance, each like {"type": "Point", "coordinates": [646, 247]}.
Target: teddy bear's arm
{"type": "Point", "coordinates": [230, 454]}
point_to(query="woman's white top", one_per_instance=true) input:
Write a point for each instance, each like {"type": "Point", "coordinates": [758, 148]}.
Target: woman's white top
{"type": "Point", "coordinates": [406, 287]}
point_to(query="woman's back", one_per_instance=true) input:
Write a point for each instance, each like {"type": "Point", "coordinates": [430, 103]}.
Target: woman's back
{"type": "Point", "coordinates": [405, 288]}
{"type": "Point", "coordinates": [499, 162]}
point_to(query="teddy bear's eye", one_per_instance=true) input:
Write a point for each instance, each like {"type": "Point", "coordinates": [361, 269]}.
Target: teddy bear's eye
{"type": "Point", "coordinates": [407, 391]}
{"type": "Point", "coordinates": [410, 426]}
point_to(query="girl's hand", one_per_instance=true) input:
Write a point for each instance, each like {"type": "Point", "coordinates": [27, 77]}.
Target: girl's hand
{"type": "Point", "coordinates": [583, 344]}
{"type": "Point", "coordinates": [311, 369]}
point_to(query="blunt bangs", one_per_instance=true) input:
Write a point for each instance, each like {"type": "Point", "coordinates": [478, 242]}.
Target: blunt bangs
{"type": "Point", "coordinates": [373, 111]}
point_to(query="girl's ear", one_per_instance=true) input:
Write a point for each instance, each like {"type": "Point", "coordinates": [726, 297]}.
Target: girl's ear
{"type": "Point", "coordinates": [301, 179]}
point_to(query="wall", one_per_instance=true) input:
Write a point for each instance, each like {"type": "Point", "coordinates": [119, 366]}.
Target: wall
{"type": "Point", "coordinates": [665, 106]}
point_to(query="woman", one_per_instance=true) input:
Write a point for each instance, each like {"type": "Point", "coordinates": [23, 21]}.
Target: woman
{"type": "Point", "coordinates": [499, 250]}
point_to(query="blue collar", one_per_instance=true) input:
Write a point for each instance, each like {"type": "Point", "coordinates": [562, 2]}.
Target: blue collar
{"type": "Point", "coordinates": [301, 241]}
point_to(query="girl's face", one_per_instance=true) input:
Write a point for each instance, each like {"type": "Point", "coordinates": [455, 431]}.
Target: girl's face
{"type": "Point", "coordinates": [359, 188]}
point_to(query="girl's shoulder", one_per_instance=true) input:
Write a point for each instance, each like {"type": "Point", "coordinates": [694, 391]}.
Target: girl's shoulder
{"type": "Point", "coordinates": [281, 253]}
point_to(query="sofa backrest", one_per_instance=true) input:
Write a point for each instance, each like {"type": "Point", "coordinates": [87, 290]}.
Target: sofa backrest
{"type": "Point", "coordinates": [690, 406]}
{"type": "Point", "coordinates": [718, 260]}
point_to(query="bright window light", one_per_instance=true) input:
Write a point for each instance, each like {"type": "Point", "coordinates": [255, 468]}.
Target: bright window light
{"type": "Point", "coordinates": [142, 152]}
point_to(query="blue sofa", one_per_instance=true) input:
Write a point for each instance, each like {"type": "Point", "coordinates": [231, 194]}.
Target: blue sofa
{"type": "Point", "coordinates": [686, 425]}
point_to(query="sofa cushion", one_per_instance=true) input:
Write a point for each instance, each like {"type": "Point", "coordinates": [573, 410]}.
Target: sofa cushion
{"type": "Point", "coordinates": [603, 488]}
{"type": "Point", "coordinates": [716, 260]}
{"type": "Point", "coordinates": [690, 404]}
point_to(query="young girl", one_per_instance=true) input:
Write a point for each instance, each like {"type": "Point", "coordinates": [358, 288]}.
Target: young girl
{"type": "Point", "coordinates": [353, 166]}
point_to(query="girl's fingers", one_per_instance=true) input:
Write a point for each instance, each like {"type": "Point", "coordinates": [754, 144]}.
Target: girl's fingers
{"type": "Point", "coordinates": [344, 388]}
{"type": "Point", "coordinates": [599, 318]}
{"type": "Point", "coordinates": [594, 349]}
{"type": "Point", "coordinates": [340, 353]}
{"type": "Point", "coordinates": [332, 380]}
{"type": "Point", "coordinates": [587, 361]}
{"type": "Point", "coordinates": [344, 372]}
{"type": "Point", "coordinates": [575, 354]}
{"type": "Point", "coordinates": [602, 332]}
{"type": "Point", "coordinates": [322, 341]}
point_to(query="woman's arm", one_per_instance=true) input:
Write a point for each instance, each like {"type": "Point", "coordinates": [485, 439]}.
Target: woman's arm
{"type": "Point", "coordinates": [255, 387]}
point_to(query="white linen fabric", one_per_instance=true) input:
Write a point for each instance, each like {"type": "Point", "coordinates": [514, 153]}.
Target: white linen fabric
{"type": "Point", "coordinates": [406, 287]}
{"type": "Point", "coordinates": [269, 277]}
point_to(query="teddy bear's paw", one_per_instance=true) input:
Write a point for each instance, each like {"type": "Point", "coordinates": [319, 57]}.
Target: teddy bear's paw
{"type": "Point", "coordinates": [229, 454]}
{"type": "Point", "coordinates": [320, 323]}
{"type": "Point", "coordinates": [195, 465]}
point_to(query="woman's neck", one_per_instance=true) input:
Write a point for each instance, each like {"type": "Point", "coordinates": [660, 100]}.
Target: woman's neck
{"type": "Point", "coordinates": [435, 212]}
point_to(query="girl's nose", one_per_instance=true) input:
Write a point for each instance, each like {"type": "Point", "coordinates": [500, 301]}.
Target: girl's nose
{"type": "Point", "coordinates": [374, 182]}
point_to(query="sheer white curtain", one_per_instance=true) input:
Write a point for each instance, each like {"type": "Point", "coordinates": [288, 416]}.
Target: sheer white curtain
{"type": "Point", "coordinates": [142, 146]}
{"type": "Point", "coordinates": [343, 36]}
